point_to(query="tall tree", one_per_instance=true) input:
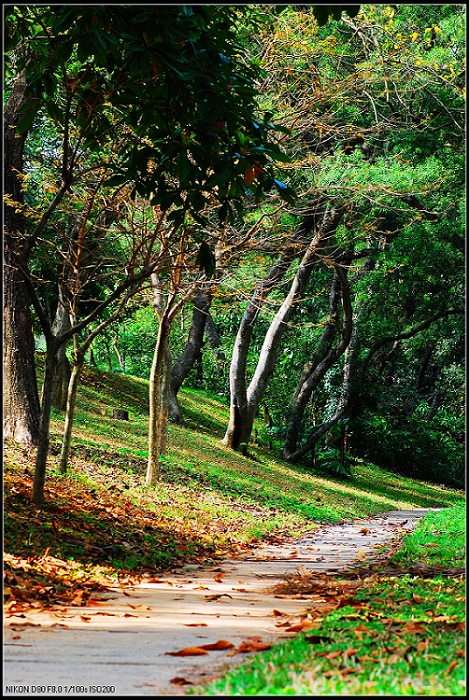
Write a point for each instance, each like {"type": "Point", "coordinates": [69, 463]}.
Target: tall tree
{"type": "Point", "coordinates": [20, 395]}
{"type": "Point", "coordinates": [172, 81]}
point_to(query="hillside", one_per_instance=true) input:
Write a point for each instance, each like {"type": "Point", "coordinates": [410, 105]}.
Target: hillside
{"type": "Point", "coordinates": [209, 501]}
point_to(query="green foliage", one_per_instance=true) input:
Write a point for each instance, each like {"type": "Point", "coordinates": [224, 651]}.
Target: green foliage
{"type": "Point", "coordinates": [413, 446]}
{"type": "Point", "coordinates": [174, 77]}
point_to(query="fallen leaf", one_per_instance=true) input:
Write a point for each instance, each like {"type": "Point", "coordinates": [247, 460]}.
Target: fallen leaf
{"type": "Point", "coordinates": [187, 651]}
{"type": "Point", "coordinates": [277, 613]}
{"type": "Point", "coordinates": [246, 647]}
{"type": "Point", "coordinates": [329, 654]}
{"type": "Point", "coordinates": [450, 668]}
{"type": "Point", "coordinates": [201, 588]}
{"type": "Point", "coordinates": [350, 652]}
{"type": "Point", "coordinates": [300, 626]}
{"type": "Point", "coordinates": [179, 681]}
{"type": "Point", "coordinates": [416, 598]}
{"type": "Point", "coordinates": [84, 618]}
{"type": "Point", "coordinates": [413, 628]}
{"type": "Point", "coordinates": [218, 646]}
{"type": "Point", "coordinates": [218, 578]}
{"type": "Point", "coordinates": [195, 624]}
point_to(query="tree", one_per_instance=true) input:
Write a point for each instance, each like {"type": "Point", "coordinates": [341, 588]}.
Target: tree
{"type": "Point", "coordinates": [170, 79]}
{"type": "Point", "coordinates": [366, 153]}
{"type": "Point", "coordinates": [21, 407]}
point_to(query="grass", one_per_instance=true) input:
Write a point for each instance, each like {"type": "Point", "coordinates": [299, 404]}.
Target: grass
{"type": "Point", "coordinates": [397, 636]}
{"type": "Point", "coordinates": [101, 522]}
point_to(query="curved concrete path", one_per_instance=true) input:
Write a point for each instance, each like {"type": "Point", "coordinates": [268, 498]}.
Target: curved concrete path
{"type": "Point", "coordinates": [119, 644]}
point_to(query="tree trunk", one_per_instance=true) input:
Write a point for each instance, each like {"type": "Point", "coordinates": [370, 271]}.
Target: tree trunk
{"type": "Point", "coordinates": [323, 359]}
{"type": "Point", "coordinates": [184, 363]}
{"type": "Point", "coordinates": [213, 338]}
{"type": "Point", "coordinates": [37, 496]}
{"type": "Point", "coordinates": [63, 371]}
{"type": "Point", "coordinates": [160, 378]}
{"type": "Point", "coordinates": [245, 401]}
{"type": "Point", "coordinates": [78, 361]}
{"type": "Point", "coordinates": [351, 376]}
{"type": "Point", "coordinates": [21, 408]}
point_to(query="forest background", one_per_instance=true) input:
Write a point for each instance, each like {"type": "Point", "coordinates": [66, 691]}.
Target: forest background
{"type": "Point", "coordinates": [250, 201]}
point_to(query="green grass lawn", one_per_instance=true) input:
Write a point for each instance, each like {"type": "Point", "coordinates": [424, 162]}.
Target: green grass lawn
{"type": "Point", "coordinates": [101, 521]}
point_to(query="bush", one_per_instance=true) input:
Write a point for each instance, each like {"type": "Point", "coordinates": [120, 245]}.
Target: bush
{"type": "Point", "coordinates": [411, 446]}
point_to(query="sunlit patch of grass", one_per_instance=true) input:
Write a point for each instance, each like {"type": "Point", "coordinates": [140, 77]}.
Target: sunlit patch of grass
{"type": "Point", "coordinates": [437, 540]}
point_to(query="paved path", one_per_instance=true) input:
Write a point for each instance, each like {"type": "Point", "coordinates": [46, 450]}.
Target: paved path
{"type": "Point", "coordinates": [120, 644]}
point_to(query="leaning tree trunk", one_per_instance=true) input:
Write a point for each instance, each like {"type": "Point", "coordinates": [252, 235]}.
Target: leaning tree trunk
{"type": "Point", "coordinates": [324, 358]}
{"type": "Point", "coordinates": [21, 408]}
{"type": "Point", "coordinates": [246, 400]}
{"type": "Point", "coordinates": [238, 431]}
{"type": "Point", "coordinates": [351, 376]}
{"type": "Point", "coordinates": [184, 363]}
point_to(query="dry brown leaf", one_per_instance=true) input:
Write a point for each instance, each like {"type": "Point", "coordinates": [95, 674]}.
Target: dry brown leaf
{"type": "Point", "coordinates": [216, 596]}
{"type": "Point", "coordinates": [330, 654]}
{"type": "Point", "coordinates": [246, 647]}
{"type": "Point", "coordinates": [350, 652]}
{"type": "Point", "coordinates": [302, 626]}
{"type": "Point", "coordinates": [218, 646]}
{"type": "Point", "coordinates": [277, 613]}
{"type": "Point", "coordinates": [195, 624]}
{"type": "Point", "coordinates": [416, 598]}
{"type": "Point", "coordinates": [413, 628]}
{"type": "Point", "coordinates": [187, 651]}
{"type": "Point", "coordinates": [218, 578]}
{"type": "Point", "coordinates": [177, 680]}
{"type": "Point", "coordinates": [450, 668]}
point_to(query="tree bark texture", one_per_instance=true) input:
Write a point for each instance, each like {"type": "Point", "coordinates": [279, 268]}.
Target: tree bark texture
{"type": "Point", "coordinates": [21, 408]}
{"type": "Point", "coordinates": [37, 496]}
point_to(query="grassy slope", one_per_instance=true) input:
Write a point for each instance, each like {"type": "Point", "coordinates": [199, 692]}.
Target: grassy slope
{"type": "Point", "coordinates": [209, 499]}
{"type": "Point", "coordinates": [102, 521]}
